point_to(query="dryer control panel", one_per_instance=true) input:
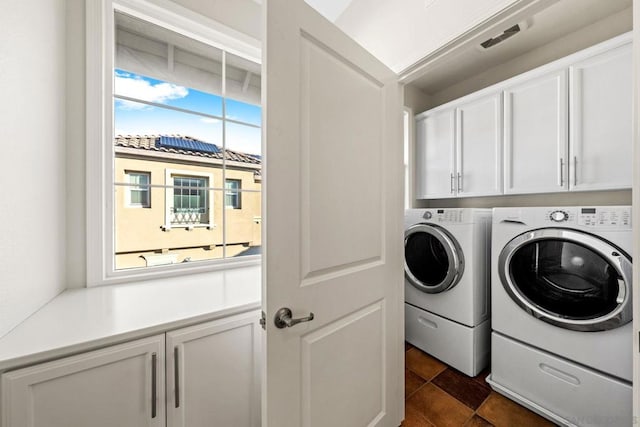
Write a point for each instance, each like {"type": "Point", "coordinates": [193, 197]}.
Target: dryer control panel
{"type": "Point", "coordinates": [444, 215]}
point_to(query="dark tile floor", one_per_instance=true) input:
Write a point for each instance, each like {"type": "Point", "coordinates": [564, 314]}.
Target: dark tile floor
{"type": "Point", "coordinates": [438, 395]}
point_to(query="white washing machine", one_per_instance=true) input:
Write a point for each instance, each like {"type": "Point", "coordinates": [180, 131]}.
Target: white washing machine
{"type": "Point", "coordinates": [447, 285]}
{"type": "Point", "coordinates": [561, 312]}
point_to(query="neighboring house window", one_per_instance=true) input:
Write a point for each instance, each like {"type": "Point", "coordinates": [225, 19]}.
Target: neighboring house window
{"type": "Point", "coordinates": [138, 192]}
{"type": "Point", "coordinates": [232, 194]}
{"type": "Point", "coordinates": [190, 201]}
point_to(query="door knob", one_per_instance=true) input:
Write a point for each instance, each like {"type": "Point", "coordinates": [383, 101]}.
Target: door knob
{"type": "Point", "coordinates": [283, 318]}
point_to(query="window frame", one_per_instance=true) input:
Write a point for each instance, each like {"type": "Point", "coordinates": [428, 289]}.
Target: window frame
{"type": "Point", "coordinates": [237, 192]}
{"type": "Point", "coordinates": [100, 197]}
{"type": "Point", "coordinates": [136, 186]}
{"type": "Point", "coordinates": [170, 175]}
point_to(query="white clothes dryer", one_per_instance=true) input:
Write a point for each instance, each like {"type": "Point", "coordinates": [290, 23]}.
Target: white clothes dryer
{"type": "Point", "coordinates": [446, 285]}
{"type": "Point", "coordinates": [561, 312]}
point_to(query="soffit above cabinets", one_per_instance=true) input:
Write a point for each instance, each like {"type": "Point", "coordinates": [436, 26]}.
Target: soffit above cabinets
{"type": "Point", "coordinates": [400, 33]}
{"type": "Point", "coordinates": [544, 27]}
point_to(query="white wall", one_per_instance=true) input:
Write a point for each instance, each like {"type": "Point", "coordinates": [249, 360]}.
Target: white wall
{"type": "Point", "coordinates": [75, 158]}
{"type": "Point", "coordinates": [32, 169]}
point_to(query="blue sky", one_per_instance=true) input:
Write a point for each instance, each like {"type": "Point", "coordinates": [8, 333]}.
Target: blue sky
{"type": "Point", "coordinates": [133, 118]}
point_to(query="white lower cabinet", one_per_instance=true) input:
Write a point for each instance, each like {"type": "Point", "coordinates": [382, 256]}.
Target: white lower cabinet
{"type": "Point", "coordinates": [214, 365]}
{"type": "Point", "coordinates": [122, 385]}
{"type": "Point", "coordinates": [213, 374]}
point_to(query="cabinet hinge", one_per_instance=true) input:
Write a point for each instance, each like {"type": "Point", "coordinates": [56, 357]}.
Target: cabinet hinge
{"type": "Point", "coordinates": [263, 321]}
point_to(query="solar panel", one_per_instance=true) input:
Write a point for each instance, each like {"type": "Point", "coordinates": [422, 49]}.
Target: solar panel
{"type": "Point", "coordinates": [187, 144]}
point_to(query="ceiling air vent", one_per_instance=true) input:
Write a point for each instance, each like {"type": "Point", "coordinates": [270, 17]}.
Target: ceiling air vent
{"type": "Point", "coordinates": [509, 32]}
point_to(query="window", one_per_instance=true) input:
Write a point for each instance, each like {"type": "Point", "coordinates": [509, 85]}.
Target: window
{"type": "Point", "coordinates": [232, 194]}
{"type": "Point", "coordinates": [186, 114]}
{"type": "Point", "coordinates": [190, 201]}
{"type": "Point", "coordinates": [138, 193]}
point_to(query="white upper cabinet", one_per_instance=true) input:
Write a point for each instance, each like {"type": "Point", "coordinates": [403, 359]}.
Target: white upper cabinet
{"type": "Point", "coordinates": [459, 149]}
{"type": "Point", "coordinates": [479, 147]}
{"type": "Point", "coordinates": [536, 134]}
{"type": "Point", "coordinates": [566, 126]}
{"type": "Point", "coordinates": [600, 117]}
{"type": "Point", "coordinates": [435, 154]}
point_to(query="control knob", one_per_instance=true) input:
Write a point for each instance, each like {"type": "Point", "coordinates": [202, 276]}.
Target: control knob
{"type": "Point", "coordinates": [558, 216]}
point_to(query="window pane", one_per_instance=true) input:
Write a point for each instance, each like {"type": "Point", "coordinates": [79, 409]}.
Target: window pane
{"type": "Point", "coordinates": [139, 197]}
{"type": "Point", "coordinates": [243, 90]}
{"type": "Point", "coordinates": [134, 119]}
{"type": "Point", "coordinates": [244, 139]}
{"type": "Point", "coordinates": [182, 152]}
{"type": "Point", "coordinates": [159, 65]}
{"type": "Point", "coordinates": [244, 226]}
{"type": "Point", "coordinates": [243, 112]}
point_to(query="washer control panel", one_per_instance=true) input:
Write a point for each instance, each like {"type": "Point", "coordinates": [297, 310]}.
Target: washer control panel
{"type": "Point", "coordinates": [605, 217]}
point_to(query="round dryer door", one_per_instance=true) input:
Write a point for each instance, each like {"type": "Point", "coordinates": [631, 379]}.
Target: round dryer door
{"type": "Point", "coordinates": [433, 260]}
{"type": "Point", "coordinates": [568, 278]}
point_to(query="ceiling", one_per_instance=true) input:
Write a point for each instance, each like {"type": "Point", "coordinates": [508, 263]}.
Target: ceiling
{"type": "Point", "coordinates": [330, 9]}
{"type": "Point", "coordinates": [403, 33]}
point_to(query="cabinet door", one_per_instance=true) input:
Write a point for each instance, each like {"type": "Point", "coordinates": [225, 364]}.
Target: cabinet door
{"type": "Point", "coordinates": [435, 154]}
{"type": "Point", "coordinates": [479, 147]}
{"type": "Point", "coordinates": [601, 121]}
{"type": "Point", "coordinates": [536, 135]}
{"type": "Point", "coordinates": [120, 386]}
{"type": "Point", "coordinates": [213, 373]}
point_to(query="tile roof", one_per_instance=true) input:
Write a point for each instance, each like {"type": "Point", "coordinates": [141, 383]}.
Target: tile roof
{"type": "Point", "coordinates": [151, 143]}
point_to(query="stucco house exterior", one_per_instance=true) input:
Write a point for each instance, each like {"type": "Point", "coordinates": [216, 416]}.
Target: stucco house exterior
{"type": "Point", "coordinates": [174, 201]}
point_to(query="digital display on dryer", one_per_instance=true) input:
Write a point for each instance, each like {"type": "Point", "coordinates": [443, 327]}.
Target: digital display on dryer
{"type": "Point", "coordinates": [588, 210]}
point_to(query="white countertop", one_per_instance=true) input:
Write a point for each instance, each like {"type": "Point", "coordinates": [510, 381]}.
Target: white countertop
{"type": "Point", "coordinates": [82, 319]}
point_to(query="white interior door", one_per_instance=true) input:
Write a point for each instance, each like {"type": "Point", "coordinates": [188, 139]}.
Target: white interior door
{"type": "Point", "coordinates": [333, 182]}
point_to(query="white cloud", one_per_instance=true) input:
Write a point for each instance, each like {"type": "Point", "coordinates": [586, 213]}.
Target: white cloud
{"type": "Point", "coordinates": [137, 87]}
{"type": "Point", "coordinates": [209, 120]}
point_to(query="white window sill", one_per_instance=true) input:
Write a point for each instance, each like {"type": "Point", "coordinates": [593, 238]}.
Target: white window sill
{"type": "Point", "coordinates": [85, 319]}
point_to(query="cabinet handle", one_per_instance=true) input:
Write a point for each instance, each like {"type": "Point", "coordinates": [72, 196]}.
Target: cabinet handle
{"type": "Point", "coordinates": [459, 182]}
{"type": "Point", "coordinates": [575, 170]}
{"type": "Point", "coordinates": [561, 172]}
{"type": "Point", "coordinates": [154, 380]}
{"type": "Point", "coordinates": [176, 376]}
{"type": "Point", "coordinates": [452, 183]}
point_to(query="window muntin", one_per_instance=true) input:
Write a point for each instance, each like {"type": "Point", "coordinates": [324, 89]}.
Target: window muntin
{"type": "Point", "coordinates": [139, 191]}
{"type": "Point", "coordinates": [169, 86]}
{"type": "Point", "coordinates": [232, 193]}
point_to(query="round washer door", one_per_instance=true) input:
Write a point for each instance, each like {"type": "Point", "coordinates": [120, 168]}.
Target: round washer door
{"type": "Point", "coordinates": [433, 260]}
{"type": "Point", "coordinates": [568, 278]}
